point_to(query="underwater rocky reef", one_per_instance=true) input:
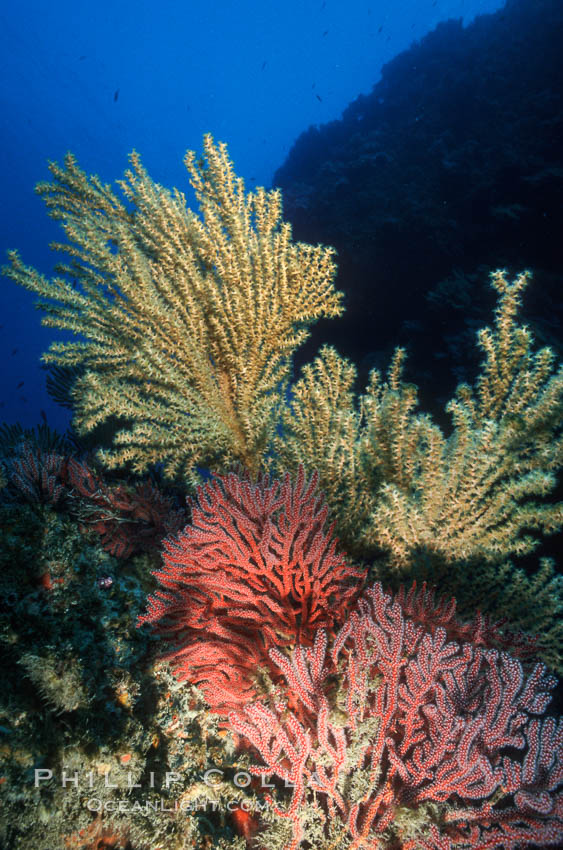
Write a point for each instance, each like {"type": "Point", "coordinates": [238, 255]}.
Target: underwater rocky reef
{"type": "Point", "coordinates": [242, 608]}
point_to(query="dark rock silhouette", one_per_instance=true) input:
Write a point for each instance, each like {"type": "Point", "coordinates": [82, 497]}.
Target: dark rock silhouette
{"type": "Point", "coordinates": [451, 167]}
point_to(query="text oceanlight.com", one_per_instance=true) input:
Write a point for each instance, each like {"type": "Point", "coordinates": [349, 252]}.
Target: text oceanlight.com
{"type": "Point", "coordinates": [160, 805]}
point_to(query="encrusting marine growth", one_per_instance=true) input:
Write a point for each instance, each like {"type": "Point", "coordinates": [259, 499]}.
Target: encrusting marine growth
{"type": "Point", "coordinates": [398, 725]}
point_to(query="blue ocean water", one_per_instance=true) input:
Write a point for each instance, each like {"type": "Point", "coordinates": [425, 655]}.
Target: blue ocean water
{"type": "Point", "coordinates": [101, 78]}
{"type": "Point", "coordinates": [423, 140]}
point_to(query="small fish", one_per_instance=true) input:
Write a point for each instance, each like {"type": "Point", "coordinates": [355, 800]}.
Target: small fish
{"type": "Point", "coordinates": [325, 33]}
{"type": "Point", "coordinates": [264, 63]}
{"type": "Point", "coordinates": [380, 28]}
{"type": "Point", "coordinates": [21, 383]}
{"type": "Point", "coordinates": [43, 416]}
{"type": "Point", "coordinates": [104, 582]}
{"type": "Point", "coordinates": [324, 4]}
{"type": "Point", "coordinates": [14, 351]}
{"type": "Point", "coordinates": [319, 98]}
{"type": "Point", "coordinates": [82, 58]}
{"type": "Point", "coordinates": [115, 95]}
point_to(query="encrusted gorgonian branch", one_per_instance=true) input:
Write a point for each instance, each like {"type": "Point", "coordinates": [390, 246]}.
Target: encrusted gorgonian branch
{"type": "Point", "coordinates": [187, 324]}
{"type": "Point", "coordinates": [398, 483]}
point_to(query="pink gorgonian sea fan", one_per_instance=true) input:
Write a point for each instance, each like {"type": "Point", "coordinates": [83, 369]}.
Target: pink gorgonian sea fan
{"type": "Point", "coordinates": [427, 743]}
{"type": "Point", "coordinates": [257, 567]}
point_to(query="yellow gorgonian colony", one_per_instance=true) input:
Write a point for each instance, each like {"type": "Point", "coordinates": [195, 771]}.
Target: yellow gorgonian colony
{"type": "Point", "coordinates": [399, 485]}
{"type": "Point", "coordinates": [186, 323]}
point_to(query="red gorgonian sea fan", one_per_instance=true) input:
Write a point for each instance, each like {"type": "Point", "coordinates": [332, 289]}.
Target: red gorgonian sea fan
{"type": "Point", "coordinates": [427, 743]}
{"type": "Point", "coordinates": [257, 567]}
{"type": "Point", "coordinates": [37, 474]}
{"type": "Point", "coordinates": [128, 518]}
